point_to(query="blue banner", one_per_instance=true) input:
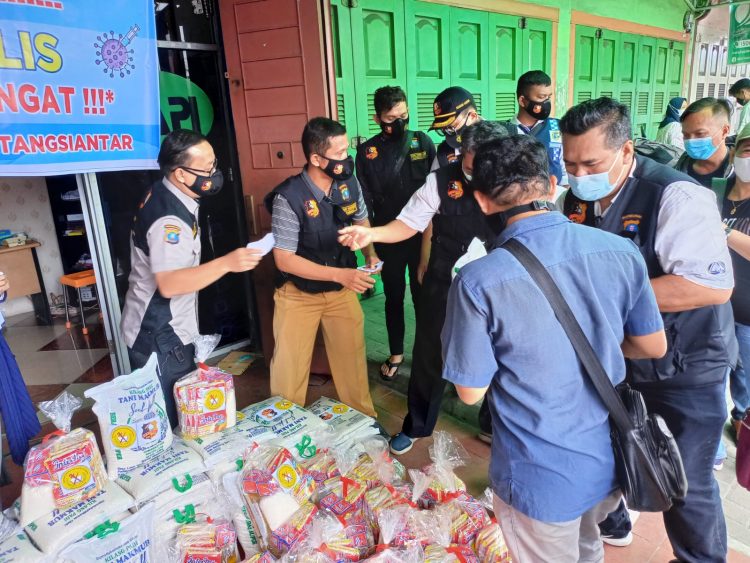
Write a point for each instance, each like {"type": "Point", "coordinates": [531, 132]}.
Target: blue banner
{"type": "Point", "coordinates": [79, 86]}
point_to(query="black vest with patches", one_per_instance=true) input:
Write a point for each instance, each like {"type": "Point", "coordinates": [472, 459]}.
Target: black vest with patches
{"type": "Point", "coordinates": [459, 221]}
{"type": "Point", "coordinates": [389, 190]}
{"type": "Point", "coordinates": [156, 332]}
{"type": "Point", "coordinates": [319, 226]}
{"type": "Point", "coordinates": [701, 342]}
{"type": "Point", "coordinates": [446, 154]}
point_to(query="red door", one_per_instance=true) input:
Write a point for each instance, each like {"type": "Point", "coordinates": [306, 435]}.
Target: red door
{"type": "Point", "coordinates": [276, 72]}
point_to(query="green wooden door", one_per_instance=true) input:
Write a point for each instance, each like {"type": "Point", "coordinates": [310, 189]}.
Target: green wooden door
{"type": "Point", "coordinates": [628, 71]}
{"type": "Point", "coordinates": [341, 34]}
{"type": "Point", "coordinates": [660, 85]}
{"type": "Point", "coordinates": [469, 58]}
{"type": "Point", "coordinates": [676, 59]}
{"type": "Point", "coordinates": [377, 45]}
{"type": "Point", "coordinates": [505, 54]}
{"type": "Point", "coordinates": [646, 73]}
{"type": "Point", "coordinates": [586, 61]}
{"type": "Point", "coordinates": [427, 31]}
{"type": "Point", "coordinates": [537, 46]}
{"type": "Point", "coordinates": [607, 56]}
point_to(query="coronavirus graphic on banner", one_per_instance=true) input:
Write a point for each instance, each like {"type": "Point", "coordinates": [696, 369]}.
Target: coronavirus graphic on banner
{"type": "Point", "coordinates": [79, 87]}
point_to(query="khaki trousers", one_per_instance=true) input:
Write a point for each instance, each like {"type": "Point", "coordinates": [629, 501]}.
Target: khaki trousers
{"type": "Point", "coordinates": [296, 318]}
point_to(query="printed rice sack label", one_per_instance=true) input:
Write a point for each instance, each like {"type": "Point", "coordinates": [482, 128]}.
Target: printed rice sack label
{"type": "Point", "coordinates": [155, 475]}
{"type": "Point", "coordinates": [111, 542]}
{"type": "Point", "coordinates": [132, 417]}
{"type": "Point", "coordinates": [342, 418]}
{"type": "Point", "coordinates": [283, 418]}
{"type": "Point", "coordinates": [17, 548]}
{"type": "Point", "coordinates": [63, 527]}
{"type": "Point", "coordinates": [61, 472]}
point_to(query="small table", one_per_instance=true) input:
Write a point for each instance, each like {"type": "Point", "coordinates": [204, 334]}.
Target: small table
{"type": "Point", "coordinates": [21, 265]}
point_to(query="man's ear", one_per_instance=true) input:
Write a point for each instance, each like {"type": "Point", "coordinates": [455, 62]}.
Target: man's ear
{"type": "Point", "coordinates": [315, 159]}
{"type": "Point", "coordinates": [486, 204]}
{"type": "Point", "coordinates": [376, 118]}
{"type": "Point", "coordinates": [628, 151]}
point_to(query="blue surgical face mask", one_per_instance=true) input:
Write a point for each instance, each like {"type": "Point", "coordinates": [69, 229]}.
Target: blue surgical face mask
{"type": "Point", "coordinates": [593, 187]}
{"type": "Point", "coordinates": [702, 148]}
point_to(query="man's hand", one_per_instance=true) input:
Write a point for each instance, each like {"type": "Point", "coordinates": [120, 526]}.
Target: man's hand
{"type": "Point", "coordinates": [355, 280]}
{"type": "Point", "coordinates": [421, 271]}
{"type": "Point", "coordinates": [356, 237]}
{"type": "Point", "coordinates": [372, 262]}
{"type": "Point", "coordinates": [4, 283]}
{"type": "Point", "coordinates": [242, 259]}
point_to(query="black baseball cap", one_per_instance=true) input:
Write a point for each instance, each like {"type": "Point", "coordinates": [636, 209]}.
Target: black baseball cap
{"type": "Point", "coordinates": [448, 104]}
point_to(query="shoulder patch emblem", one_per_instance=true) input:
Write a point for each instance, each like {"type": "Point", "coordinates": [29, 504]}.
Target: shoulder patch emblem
{"type": "Point", "coordinates": [371, 153]}
{"type": "Point", "coordinates": [311, 208]}
{"type": "Point", "coordinates": [344, 190]}
{"type": "Point", "coordinates": [631, 222]}
{"type": "Point", "coordinates": [455, 189]}
{"type": "Point", "coordinates": [172, 234]}
{"type": "Point", "coordinates": [350, 209]}
{"type": "Point", "coordinates": [555, 136]}
{"type": "Point", "coordinates": [421, 155]}
{"type": "Point", "coordinates": [578, 215]}
{"type": "Point", "coordinates": [415, 142]}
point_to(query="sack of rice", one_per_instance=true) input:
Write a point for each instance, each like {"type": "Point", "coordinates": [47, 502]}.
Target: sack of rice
{"type": "Point", "coordinates": [17, 548]}
{"type": "Point", "coordinates": [132, 418]}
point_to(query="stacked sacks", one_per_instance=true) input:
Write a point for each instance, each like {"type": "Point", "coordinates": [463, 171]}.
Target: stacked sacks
{"type": "Point", "coordinates": [350, 426]}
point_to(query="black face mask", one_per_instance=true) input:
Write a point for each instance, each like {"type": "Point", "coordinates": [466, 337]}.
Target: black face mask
{"type": "Point", "coordinates": [454, 141]}
{"type": "Point", "coordinates": [538, 110]}
{"type": "Point", "coordinates": [395, 129]}
{"type": "Point", "coordinates": [339, 170]}
{"type": "Point", "coordinates": [206, 185]}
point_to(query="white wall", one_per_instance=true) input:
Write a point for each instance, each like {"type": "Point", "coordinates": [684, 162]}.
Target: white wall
{"type": "Point", "coordinates": [24, 206]}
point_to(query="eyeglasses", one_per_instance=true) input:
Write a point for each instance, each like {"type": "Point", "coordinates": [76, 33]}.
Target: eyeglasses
{"type": "Point", "coordinates": [453, 129]}
{"type": "Point", "coordinates": [199, 172]}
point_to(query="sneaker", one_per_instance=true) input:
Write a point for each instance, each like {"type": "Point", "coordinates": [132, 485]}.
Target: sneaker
{"type": "Point", "coordinates": [618, 541]}
{"type": "Point", "coordinates": [401, 443]}
{"type": "Point", "coordinates": [485, 437]}
{"type": "Point", "coordinates": [719, 464]}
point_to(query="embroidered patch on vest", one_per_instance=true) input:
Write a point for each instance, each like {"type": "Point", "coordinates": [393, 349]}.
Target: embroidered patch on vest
{"type": "Point", "coordinates": [452, 158]}
{"type": "Point", "coordinates": [422, 155]}
{"type": "Point", "coordinates": [630, 223]}
{"type": "Point", "coordinates": [350, 209]}
{"type": "Point", "coordinates": [344, 190]}
{"type": "Point", "coordinates": [311, 208]}
{"type": "Point", "coordinates": [371, 153]}
{"type": "Point", "coordinates": [455, 189]}
{"type": "Point", "coordinates": [578, 215]}
{"type": "Point", "coordinates": [415, 142]}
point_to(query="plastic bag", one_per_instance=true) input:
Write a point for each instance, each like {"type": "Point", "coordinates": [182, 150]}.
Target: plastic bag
{"type": "Point", "coordinates": [475, 251]}
{"type": "Point", "coordinates": [155, 475]}
{"type": "Point", "coordinates": [132, 418]}
{"type": "Point", "coordinates": [264, 557]}
{"type": "Point", "coordinates": [377, 466]}
{"type": "Point", "coordinates": [129, 540]}
{"type": "Point", "coordinates": [238, 512]}
{"type": "Point", "coordinates": [467, 517]}
{"type": "Point", "coordinates": [275, 491]}
{"type": "Point", "coordinates": [206, 540]}
{"type": "Point", "coordinates": [342, 495]}
{"type": "Point", "coordinates": [438, 482]}
{"type": "Point", "coordinates": [329, 541]}
{"type": "Point", "coordinates": [490, 545]}
{"type": "Point", "coordinates": [441, 548]}
{"type": "Point", "coordinates": [61, 528]}
{"type": "Point", "coordinates": [65, 469]}
{"type": "Point", "coordinates": [205, 398]}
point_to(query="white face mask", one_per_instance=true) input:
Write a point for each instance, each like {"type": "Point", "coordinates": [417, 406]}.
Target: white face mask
{"type": "Point", "coordinates": [742, 168]}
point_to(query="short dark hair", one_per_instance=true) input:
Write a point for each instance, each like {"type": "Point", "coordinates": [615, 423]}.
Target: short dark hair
{"type": "Point", "coordinates": [512, 169]}
{"type": "Point", "coordinates": [316, 136]}
{"type": "Point", "coordinates": [475, 135]}
{"type": "Point", "coordinates": [741, 84]}
{"type": "Point", "coordinates": [716, 106]}
{"type": "Point", "coordinates": [387, 97]}
{"type": "Point", "coordinates": [173, 152]}
{"type": "Point", "coordinates": [532, 78]}
{"type": "Point", "coordinates": [613, 116]}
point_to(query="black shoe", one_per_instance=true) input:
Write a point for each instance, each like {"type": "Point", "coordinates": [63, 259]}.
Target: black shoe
{"type": "Point", "coordinates": [382, 431]}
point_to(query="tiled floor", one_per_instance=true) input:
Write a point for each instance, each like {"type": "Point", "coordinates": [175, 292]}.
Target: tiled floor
{"type": "Point", "coordinates": [90, 366]}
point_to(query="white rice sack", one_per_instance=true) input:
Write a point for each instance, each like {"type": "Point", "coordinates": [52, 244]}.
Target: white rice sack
{"type": "Point", "coordinates": [63, 527]}
{"type": "Point", "coordinates": [283, 418]}
{"type": "Point", "coordinates": [342, 418]}
{"type": "Point", "coordinates": [229, 445]}
{"type": "Point", "coordinates": [243, 524]}
{"type": "Point", "coordinates": [17, 548]}
{"type": "Point", "coordinates": [184, 490]}
{"type": "Point", "coordinates": [170, 519]}
{"type": "Point", "coordinates": [131, 541]}
{"type": "Point", "coordinates": [132, 418]}
{"type": "Point", "coordinates": [155, 475]}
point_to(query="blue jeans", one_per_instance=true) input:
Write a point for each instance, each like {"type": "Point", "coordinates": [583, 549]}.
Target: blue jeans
{"type": "Point", "coordinates": [738, 384]}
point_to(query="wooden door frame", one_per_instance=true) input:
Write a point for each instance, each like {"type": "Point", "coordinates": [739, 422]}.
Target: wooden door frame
{"type": "Point", "coordinates": [582, 18]}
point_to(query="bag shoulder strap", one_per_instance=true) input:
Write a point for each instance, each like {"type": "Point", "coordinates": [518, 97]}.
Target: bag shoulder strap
{"type": "Point", "coordinates": [719, 187]}
{"type": "Point", "coordinates": [586, 354]}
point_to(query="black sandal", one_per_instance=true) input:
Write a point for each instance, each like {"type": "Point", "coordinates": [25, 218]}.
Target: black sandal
{"type": "Point", "coordinates": [390, 366]}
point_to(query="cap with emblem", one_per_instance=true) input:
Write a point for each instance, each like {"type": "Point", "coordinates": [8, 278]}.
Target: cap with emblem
{"type": "Point", "coordinates": [448, 104]}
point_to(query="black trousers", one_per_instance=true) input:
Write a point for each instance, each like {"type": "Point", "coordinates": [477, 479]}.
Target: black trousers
{"type": "Point", "coordinates": [695, 525]}
{"type": "Point", "coordinates": [175, 360]}
{"type": "Point", "coordinates": [426, 385]}
{"type": "Point", "coordinates": [396, 259]}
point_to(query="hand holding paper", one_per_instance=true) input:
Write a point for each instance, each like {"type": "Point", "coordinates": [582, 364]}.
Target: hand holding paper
{"type": "Point", "coordinates": [265, 245]}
